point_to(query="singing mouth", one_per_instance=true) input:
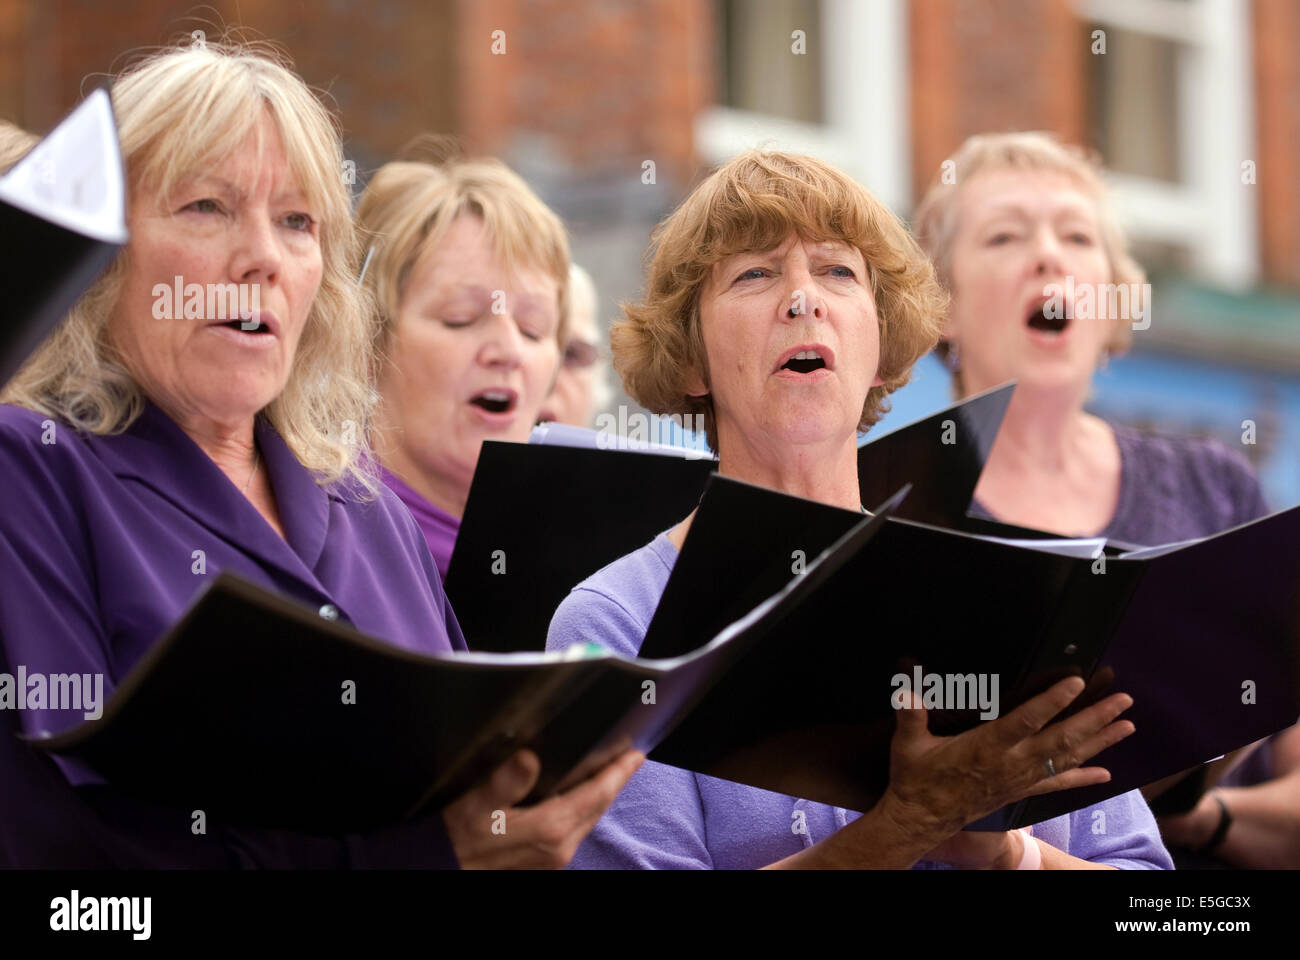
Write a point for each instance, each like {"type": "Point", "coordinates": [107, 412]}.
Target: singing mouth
{"type": "Point", "coordinates": [496, 401]}
{"type": "Point", "coordinates": [1048, 317]}
{"type": "Point", "coordinates": [806, 359]}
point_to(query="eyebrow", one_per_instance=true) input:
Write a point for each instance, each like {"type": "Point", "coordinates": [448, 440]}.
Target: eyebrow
{"type": "Point", "coordinates": [224, 186]}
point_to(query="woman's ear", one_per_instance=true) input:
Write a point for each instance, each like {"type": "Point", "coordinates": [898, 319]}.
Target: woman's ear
{"type": "Point", "coordinates": [695, 385]}
{"type": "Point", "coordinates": [877, 382]}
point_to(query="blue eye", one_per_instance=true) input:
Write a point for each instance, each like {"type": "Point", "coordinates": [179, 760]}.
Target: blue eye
{"type": "Point", "coordinates": [747, 275]}
{"type": "Point", "coordinates": [848, 271]}
{"type": "Point", "coordinates": [304, 222]}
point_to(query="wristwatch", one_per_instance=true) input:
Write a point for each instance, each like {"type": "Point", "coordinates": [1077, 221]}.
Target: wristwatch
{"type": "Point", "coordinates": [1225, 821]}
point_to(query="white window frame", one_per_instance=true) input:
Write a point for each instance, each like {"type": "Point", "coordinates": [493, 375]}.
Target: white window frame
{"type": "Point", "coordinates": [1211, 213]}
{"type": "Point", "coordinates": [865, 94]}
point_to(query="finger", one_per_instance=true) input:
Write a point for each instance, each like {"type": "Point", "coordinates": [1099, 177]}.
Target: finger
{"type": "Point", "coordinates": [587, 802]}
{"type": "Point", "coordinates": [1099, 714]}
{"type": "Point", "coordinates": [1035, 713]}
{"type": "Point", "coordinates": [1100, 741]}
{"type": "Point", "coordinates": [913, 721]}
{"type": "Point", "coordinates": [1072, 741]}
{"type": "Point", "coordinates": [1068, 780]}
{"type": "Point", "coordinates": [511, 782]}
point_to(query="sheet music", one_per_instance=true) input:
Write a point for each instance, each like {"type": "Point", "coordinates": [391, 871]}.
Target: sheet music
{"type": "Point", "coordinates": [74, 177]}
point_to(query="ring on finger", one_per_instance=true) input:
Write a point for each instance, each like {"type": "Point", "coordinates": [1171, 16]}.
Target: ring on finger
{"type": "Point", "coordinates": [1051, 767]}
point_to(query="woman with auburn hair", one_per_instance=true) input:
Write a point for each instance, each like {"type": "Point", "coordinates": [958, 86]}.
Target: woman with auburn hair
{"type": "Point", "coordinates": [142, 436]}
{"type": "Point", "coordinates": [470, 275]}
{"type": "Point", "coordinates": [783, 304]}
{"type": "Point", "coordinates": [1024, 238]}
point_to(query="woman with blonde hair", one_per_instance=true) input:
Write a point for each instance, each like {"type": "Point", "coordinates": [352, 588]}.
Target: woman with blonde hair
{"type": "Point", "coordinates": [1043, 291]}
{"type": "Point", "coordinates": [784, 304]}
{"type": "Point", "coordinates": [582, 387]}
{"type": "Point", "coordinates": [149, 444]}
{"type": "Point", "coordinates": [470, 276]}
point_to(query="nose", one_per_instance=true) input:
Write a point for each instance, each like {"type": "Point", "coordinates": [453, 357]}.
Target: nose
{"type": "Point", "coordinates": [803, 296]}
{"type": "Point", "coordinates": [1048, 258]}
{"type": "Point", "coordinates": [257, 256]}
{"type": "Point", "coordinates": [502, 345]}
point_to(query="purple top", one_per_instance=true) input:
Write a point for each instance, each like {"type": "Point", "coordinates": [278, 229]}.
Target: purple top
{"type": "Point", "coordinates": [439, 526]}
{"type": "Point", "coordinates": [104, 542]}
{"type": "Point", "coordinates": [1176, 488]}
{"type": "Point", "coordinates": [667, 817]}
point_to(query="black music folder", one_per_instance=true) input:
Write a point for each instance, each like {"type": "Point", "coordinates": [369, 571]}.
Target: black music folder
{"type": "Point", "coordinates": [1202, 635]}
{"type": "Point", "coordinates": [62, 220]}
{"type": "Point", "coordinates": [240, 710]}
{"type": "Point", "coordinates": [540, 518]}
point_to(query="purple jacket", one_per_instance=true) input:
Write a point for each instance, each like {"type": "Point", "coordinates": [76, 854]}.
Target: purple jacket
{"type": "Point", "coordinates": [438, 526]}
{"type": "Point", "coordinates": [671, 818]}
{"type": "Point", "coordinates": [104, 542]}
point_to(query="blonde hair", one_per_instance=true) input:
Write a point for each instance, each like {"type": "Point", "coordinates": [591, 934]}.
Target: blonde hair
{"type": "Point", "coordinates": [179, 110]}
{"type": "Point", "coordinates": [752, 203]}
{"type": "Point", "coordinates": [14, 143]}
{"type": "Point", "coordinates": [409, 205]}
{"type": "Point", "coordinates": [935, 220]}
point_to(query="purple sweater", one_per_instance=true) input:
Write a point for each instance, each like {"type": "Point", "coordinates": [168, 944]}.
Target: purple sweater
{"type": "Point", "coordinates": [667, 817]}
{"type": "Point", "coordinates": [1175, 488]}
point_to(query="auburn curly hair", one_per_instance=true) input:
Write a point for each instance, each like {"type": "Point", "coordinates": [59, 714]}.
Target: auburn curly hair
{"type": "Point", "coordinates": [751, 203]}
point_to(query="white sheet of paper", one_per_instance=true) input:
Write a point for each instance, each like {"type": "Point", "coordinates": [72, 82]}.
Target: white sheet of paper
{"type": "Point", "coordinates": [74, 176]}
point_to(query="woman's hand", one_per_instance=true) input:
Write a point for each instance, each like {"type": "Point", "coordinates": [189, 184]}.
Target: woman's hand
{"type": "Point", "coordinates": [488, 830]}
{"type": "Point", "coordinates": [937, 785]}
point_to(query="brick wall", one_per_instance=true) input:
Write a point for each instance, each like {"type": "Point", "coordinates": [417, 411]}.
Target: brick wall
{"type": "Point", "coordinates": [1277, 124]}
{"type": "Point", "coordinates": [983, 65]}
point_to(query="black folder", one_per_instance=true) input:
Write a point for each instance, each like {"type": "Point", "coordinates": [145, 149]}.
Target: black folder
{"type": "Point", "coordinates": [240, 710]}
{"type": "Point", "coordinates": [541, 519]}
{"type": "Point", "coordinates": [1203, 637]}
{"type": "Point", "coordinates": [62, 220]}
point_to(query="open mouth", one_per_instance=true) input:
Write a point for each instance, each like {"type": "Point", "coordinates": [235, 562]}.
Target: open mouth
{"type": "Point", "coordinates": [495, 401]}
{"type": "Point", "coordinates": [1047, 317]}
{"type": "Point", "coordinates": [247, 326]}
{"type": "Point", "coordinates": [805, 361]}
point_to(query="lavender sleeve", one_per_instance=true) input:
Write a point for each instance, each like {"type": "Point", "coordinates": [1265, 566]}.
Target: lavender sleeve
{"type": "Point", "coordinates": [657, 820]}
{"type": "Point", "coordinates": [1120, 832]}
{"type": "Point", "coordinates": [668, 818]}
